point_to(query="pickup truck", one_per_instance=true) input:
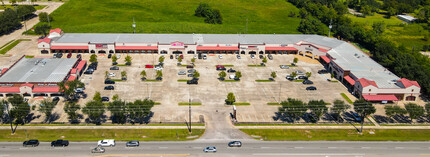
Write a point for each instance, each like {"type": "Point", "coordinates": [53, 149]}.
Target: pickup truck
{"type": "Point", "coordinates": [60, 143]}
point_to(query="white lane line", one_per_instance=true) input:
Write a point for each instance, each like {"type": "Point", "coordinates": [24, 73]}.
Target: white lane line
{"type": "Point", "coordinates": [298, 147]}
{"type": "Point", "coordinates": [265, 147]}
{"type": "Point", "coordinates": [399, 147]}
{"type": "Point", "coordinates": [365, 147]}
{"type": "Point", "coordinates": [331, 147]}
{"type": "Point", "coordinates": [197, 147]}
{"type": "Point", "coordinates": [296, 154]}
{"type": "Point", "coordinates": [163, 147]}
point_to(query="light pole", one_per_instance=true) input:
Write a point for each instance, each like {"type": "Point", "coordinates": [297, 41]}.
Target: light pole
{"type": "Point", "coordinates": [134, 26]}
{"type": "Point", "coordinates": [329, 29]}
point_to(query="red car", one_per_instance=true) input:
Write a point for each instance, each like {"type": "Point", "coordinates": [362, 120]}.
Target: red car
{"type": "Point", "coordinates": [149, 66]}
{"type": "Point", "coordinates": [69, 55]}
{"type": "Point", "coordinates": [219, 66]}
{"type": "Point", "coordinates": [182, 56]}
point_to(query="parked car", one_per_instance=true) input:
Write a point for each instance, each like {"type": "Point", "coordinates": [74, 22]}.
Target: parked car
{"type": "Point", "coordinates": [98, 150]}
{"type": "Point", "coordinates": [262, 64]}
{"type": "Point", "coordinates": [56, 99]}
{"type": "Point", "coordinates": [79, 90]}
{"type": "Point", "coordinates": [59, 55]}
{"type": "Point", "coordinates": [356, 117]}
{"type": "Point", "coordinates": [128, 63]}
{"type": "Point", "coordinates": [195, 56]}
{"type": "Point", "coordinates": [106, 143]}
{"type": "Point", "coordinates": [210, 149]}
{"type": "Point", "coordinates": [290, 78]}
{"type": "Point", "coordinates": [235, 144]}
{"type": "Point", "coordinates": [199, 56]}
{"type": "Point", "coordinates": [89, 71]}
{"type": "Point", "coordinates": [79, 56]}
{"type": "Point", "coordinates": [54, 55]}
{"type": "Point", "coordinates": [109, 88]}
{"type": "Point", "coordinates": [110, 56]}
{"type": "Point", "coordinates": [60, 143]}
{"type": "Point", "coordinates": [93, 66]}
{"type": "Point", "coordinates": [69, 55]}
{"type": "Point", "coordinates": [302, 77]}
{"type": "Point", "coordinates": [270, 56]}
{"type": "Point", "coordinates": [252, 56]}
{"type": "Point", "coordinates": [114, 63]}
{"type": "Point", "coordinates": [159, 78]}
{"type": "Point", "coordinates": [220, 67]}
{"type": "Point", "coordinates": [284, 66]}
{"type": "Point", "coordinates": [111, 75]}
{"type": "Point", "coordinates": [190, 75]}
{"type": "Point", "coordinates": [132, 144]}
{"type": "Point", "coordinates": [293, 64]}
{"type": "Point", "coordinates": [261, 56]}
{"type": "Point", "coordinates": [109, 82]}
{"type": "Point", "coordinates": [193, 81]}
{"type": "Point", "coordinates": [191, 71]}
{"type": "Point", "coordinates": [182, 56]}
{"type": "Point", "coordinates": [171, 56]}
{"type": "Point", "coordinates": [105, 98]}
{"type": "Point", "coordinates": [311, 88]}
{"type": "Point", "coordinates": [220, 56]}
{"type": "Point", "coordinates": [231, 70]}
{"type": "Point", "coordinates": [114, 68]}
{"type": "Point", "coordinates": [149, 66]}
{"type": "Point", "coordinates": [232, 76]}
{"type": "Point", "coordinates": [298, 72]}
{"type": "Point", "coordinates": [307, 82]}
{"type": "Point", "coordinates": [182, 73]}
{"type": "Point", "coordinates": [238, 56]}
{"type": "Point", "coordinates": [158, 68]}
{"type": "Point", "coordinates": [190, 66]}
{"type": "Point", "coordinates": [205, 57]}
{"type": "Point", "coordinates": [33, 143]}
{"type": "Point", "coordinates": [322, 71]}
{"type": "Point", "coordinates": [118, 56]}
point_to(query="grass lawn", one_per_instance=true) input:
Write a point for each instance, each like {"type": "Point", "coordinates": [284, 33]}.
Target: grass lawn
{"type": "Point", "coordinates": [6, 44]}
{"type": "Point", "coordinates": [226, 65]}
{"type": "Point", "coordinates": [256, 66]}
{"type": "Point", "coordinates": [29, 56]}
{"type": "Point", "coordinates": [37, 7]}
{"type": "Point", "coordinates": [12, 45]}
{"type": "Point", "coordinates": [157, 103]}
{"type": "Point", "coordinates": [346, 98]}
{"type": "Point", "coordinates": [152, 80]}
{"type": "Point", "coordinates": [155, 16]}
{"type": "Point", "coordinates": [186, 103]}
{"type": "Point", "coordinates": [121, 65]}
{"type": "Point", "coordinates": [231, 81]}
{"type": "Point", "coordinates": [264, 81]}
{"type": "Point", "coordinates": [98, 134]}
{"type": "Point", "coordinates": [339, 135]}
{"type": "Point", "coordinates": [183, 80]}
{"type": "Point", "coordinates": [116, 80]}
{"type": "Point", "coordinates": [273, 103]}
{"type": "Point", "coordinates": [241, 103]}
{"type": "Point", "coordinates": [299, 80]}
{"type": "Point", "coordinates": [289, 124]}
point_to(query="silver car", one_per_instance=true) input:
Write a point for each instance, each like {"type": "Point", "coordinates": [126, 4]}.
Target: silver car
{"type": "Point", "coordinates": [132, 144]}
{"type": "Point", "coordinates": [235, 144]}
{"type": "Point", "coordinates": [284, 66]}
{"type": "Point", "coordinates": [210, 149]}
{"type": "Point", "coordinates": [98, 150]}
{"type": "Point", "coordinates": [182, 73]}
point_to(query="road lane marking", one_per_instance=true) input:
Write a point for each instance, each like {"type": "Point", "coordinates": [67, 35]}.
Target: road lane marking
{"type": "Point", "coordinates": [297, 154]}
{"type": "Point", "coordinates": [298, 147]}
{"type": "Point", "coordinates": [163, 147]}
{"type": "Point", "coordinates": [118, 155]}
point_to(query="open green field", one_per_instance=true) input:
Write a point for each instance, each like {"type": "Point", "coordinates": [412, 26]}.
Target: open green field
{"type": "Point", "coordinates": [98, 134]}
{"type": "Point", "coordinates": [37, 7]}
{"type": "Point", "coordinates": [174, 16]}
{"type": "Point", "coordinates": [339, 135]}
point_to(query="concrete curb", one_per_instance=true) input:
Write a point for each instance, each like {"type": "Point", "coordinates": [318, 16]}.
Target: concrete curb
{"type": "Point", "coordinates": [102, 127]}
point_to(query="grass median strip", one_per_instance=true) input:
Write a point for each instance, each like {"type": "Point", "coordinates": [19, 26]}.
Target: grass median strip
{"type": "Point", "coordinates": [226, 65]}
{"type": "Point", "coordinates": [264, 81]}
{"type": "Point", "coordinates": [116, 80]}
{"type": "Point", "coordinates": [346, 98]}
{"type": "Point", "coordinates": [256, 66]}
{"type": "Point", "coordinates": [6, 44]}
{"type": "Point", "coordinates": [157, 103]}
{"type": "Point", "coordinates": [186, 103]}
{"type": "Point", "coordinates": [339, 134]}
{"type": "Point", "coordinates": [98, 134]}
{"type": "Point", "coordinates": [183, 80]}
{"type": "Point", "coordinates": [29, 56]}
{"type": "Point", "coordinates": [231, 81]}
{"type": "Point", "coordinates": [12, 45]}
{"type": "Point", "coordinates": [241, 103]}
{"type": "Point", "coordinates": [299, 80]}
{"type": "Point", "coordinates": [152, 80]}
{"type": "Point", "coordinates": [273, 103]}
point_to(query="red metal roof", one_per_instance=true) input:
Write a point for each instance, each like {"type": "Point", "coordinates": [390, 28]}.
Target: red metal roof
{"type": "Point", "coordinates": [58, 30]}
{"type": "Point", "coordinates": [81, 65]}
{"type": "Point", "coordinates": [364, 82]}
{"type": "Point", "coordinates": [9, 89]}
{"type": "Point", "coordinates": [281, 49]}
{"type": "Point", "coordinates": [27, 84]}
{"type": "Point", "coordinates": [46, 40]}
{"type": "Point", "coordinates": [407, 83]}
{"type": "Point", "coordinates": [46, 89]}
{"type": "Point", "coordinates": [136, 48]}
{"type": "Point", "coordinates": [325, 58]}
{"type": "Point", "coordinates": [322, 50]}
{"type": "Point", "coordinates": [71, 78]}
{"type": "Point", "coordinates": [219, 48]}
{"type": "Point", "coordinates": [69, 47]}
{"type": "Point", "coordinates": [350, 80]}
{"type": "Point", "coordinates": [380, 98]}
{"type": "Point", "coordinates": [73, 71]}
{"type": "Point", "coordinates": [4, 70]}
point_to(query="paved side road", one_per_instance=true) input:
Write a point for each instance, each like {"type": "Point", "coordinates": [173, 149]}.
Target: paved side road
{"type": "Point", "coordinates": [249, 148]}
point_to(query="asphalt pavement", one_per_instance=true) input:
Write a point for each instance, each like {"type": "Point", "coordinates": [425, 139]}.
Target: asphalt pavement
{"type": "Point", "coordinates": [249, 148]}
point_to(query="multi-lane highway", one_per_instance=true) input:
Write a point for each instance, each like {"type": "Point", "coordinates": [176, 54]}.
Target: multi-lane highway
{"type": "Point", "coordinates": [249, 148]}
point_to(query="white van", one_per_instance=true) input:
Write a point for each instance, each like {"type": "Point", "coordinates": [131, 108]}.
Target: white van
{"type": "Point", "coordinates": [106, 143]}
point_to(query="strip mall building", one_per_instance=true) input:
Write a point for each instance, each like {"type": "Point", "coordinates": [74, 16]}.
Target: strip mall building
{"type": "Point", "coordinates": [361, 75]}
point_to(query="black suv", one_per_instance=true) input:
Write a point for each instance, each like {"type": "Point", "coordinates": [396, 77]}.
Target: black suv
{"type": "Point", "coordinates": [33, 143]}
{"type": "Point", "coordinates": [109, 88]}
{"type": "Point", "coordinates": [105, 98]}
{"type": "Point", "coordinates": [109, 82]}
{"type": "Point", "coordinates": [307, 82]}
{"type": "Point", "coordinates": [231, 70]}
{"type": "Point", "coordinates": [193, 81]}
{"type": "Point", "coordinates": [60, 143]}
{"type": "Point", "coordinates": [59, 55]}
{"type": "Point", "coordinates": [311, 88]}
{"type": "Point", "coordinates": [322, 72]}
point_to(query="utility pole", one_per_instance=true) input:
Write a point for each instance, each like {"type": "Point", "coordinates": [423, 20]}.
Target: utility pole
{"type": "Point", "coordinates": [189, 111]}
{"type": "Point", "coordinates": [329, 28]}
{"type": "Point", "coordinates": [10, 116]}
{"type": "Point", "coordinates": [134, 26]}
{"type": "Point", "coordinates": [49, 22]}
{"type": "Point", "coordinates": [246, 26]}
{"type": "Point", "coordinates": [280, 87]}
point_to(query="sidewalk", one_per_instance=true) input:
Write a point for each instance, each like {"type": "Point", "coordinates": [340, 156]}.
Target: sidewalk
{"type": "Point", "coordinates": [102, 127]}
{"type": "Point", "coordinates": [331, 127]}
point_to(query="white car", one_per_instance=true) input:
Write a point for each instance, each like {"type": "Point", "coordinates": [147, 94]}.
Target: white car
{"type": "Point", "coordinates": [118, 56]}
{"type": "Point", "coordinates": [195, 56]}
{"type": "Point", "coordinates": [182, 73]}
{"type": "Point", "coordinates": [111, 74]}
{"type": "Point", "coordinates": [220, 56]}
{"type": "Point", "coordinates": [298, 72]}
{"type": "Point", "coordinates": [106, 143]}
{"type": "Point", "coordinates": [209, 149]}
{"type": "Point", "coordinates": [232, 76]}
{"type": "Point", "coordinates": [284, 66]}
{"type": "Point", "coordinates": [204, 57]}
{"type": "Point", "coordinates": [158, 68]}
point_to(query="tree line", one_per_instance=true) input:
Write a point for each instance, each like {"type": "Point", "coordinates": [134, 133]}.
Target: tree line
{"type": "Point", "coordinates": [404, 62]}
{"type": "Point", "coordinates": [212, 16]}
{"type": "Point", "coordinates": [10, 19]}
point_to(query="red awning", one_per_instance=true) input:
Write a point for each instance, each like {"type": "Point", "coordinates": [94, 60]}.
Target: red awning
{"type": "Point", "coordinates": [380, 98]}
{"type": "Point", "coordinates": [325, 58]}
{"type": "Point", "coordinates": [46, 89]}
{"type": "Point", "coordinates": [217, 48]}
{"type": "Point", "coordinates": [350, 80]}
{"type": "Point", "coordinates": [71, 78]}
{"type": "Point", "coordinates": [69, 47]}
{"type": "Point", "coordinates": [136, 48]}
{"type": "Point", "coordinates": [81, 65]}
{"type": "Point", "coordinates": [9, 89]}
{"type": "Point", "coordinates": [281, 49]}
{"type": "Point", "coordinates": [73, 71]}
{"type": "Point", "coordinates": [4, 70]}
{"type": "Point", "coordinates": [322, 50]}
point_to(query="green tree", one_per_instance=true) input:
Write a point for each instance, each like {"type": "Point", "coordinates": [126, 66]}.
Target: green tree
{"type": "Point", "coordinates": [139, 110]}
{"type": "Point", "coordinates": [19, 111]}
{"type": "Point", "coordinates": [128, 59]}
{"type": "Point", "coordinates": [161, 59]}
{"type": "Point", "coordinates": [196, 74]}
{"type": "Point", "coordinates": [308, 74]}
{"type": "Point", "coordinates": [42, 29]}
{"type": "Point", "coordinates": [338, 108]}
{"type": "Point", "coordinates": [106, 75]}
{"type": "Point", "coordinates": [238, 74]}
{"type": "Point", "coordinates": [46, 107]}
{"type": "Point", "coordinates": [273, 74]}
{"type": "Point", "coordinates": [97, 97]}
{"type": "Point", "coordinates": [68, 88]}
{"type": "Point", "coordinates": [159, 74]}
{"type": "Point", "coordinates": [115, 97]}
{"type": "Point", "coordinates": [415, 111]}
{"type": "Point", "coordinates": [143, 73]}
{"type": "Point", "coordinates": [222, 74]}
{"type": "Point", "coordinates": [427, 108]}
{"type": "Point", "coordinates": [71, 109]}
{"type": "Point", "coordinates": [43, 17]}
{"type": "Point", "coordinates": [94, 110]}
{"type": "Point", "coordinates": [118, 109]}
{"type": "Point", "coordinates": [311, 26]}
{"type": "Point", "coordinates": [114, 58]}
{"type": "Point", "coordinates": [3, 104]}
{"type": "Point", "coordinates": [394, 110]}
{"type": "Point", "coordinates": [179, 59]}
{"type": "Point", "coordinates": [123, 74]}
{"type": "Point", "coordinates": [379, 27]}
{"type": "Point", "coordinates": [202, 10]}
{"type": "Point", "coordinates": [230, 99]}
{"type": "Point", "coordinates": [295, 60]}
{"type": "Point", "coordinates": [318, 108]}
{"type": "Point", "coordinates": [193, 60]}
{"type": "Point", "coordinates": [292, 108]}
{"type": "Point", "coordinates": [264, 60]}
{"type": "Point", "coordinates": [293, 74]}
{"type": "Point", "coordinates": [93, 58]}
{"type": "Point", "coordinates": [363, 108]}
{"type": "Point", "coordinates": [12, 1]}
{"type": "Point", "coordinates": [217, 17]}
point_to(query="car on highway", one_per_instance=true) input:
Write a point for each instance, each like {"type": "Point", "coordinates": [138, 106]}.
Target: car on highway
{"type": "Point", "coordinates": [284, 66]}
{"type": "Point", "coordinates": [60, 143]}
{"type": "Point", "coordinates": [307, 82]}
{"type": "Point", "coordinates": [209, 149]}
{"type": "Point", "coordinates": [105, 98]}
{"type": "Point", "coordinates": [106, 143]}
{"type": "Point", "coordinates": [182, 73]}
{"type": "Point", "coordinates": [114, 68]}
{"type": "Point", "coordinates": [132, 144]}
{"type": "Point", "coordinates": [311, 88]}
{"type": "Point", "coordinates": [235, 144]}
{"type": "Point", "coordinates": [98, 150]}
{"type": "Point", "coordinates": [109, 88]}
{"type": "Point", "coordinates": [33, 143]}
